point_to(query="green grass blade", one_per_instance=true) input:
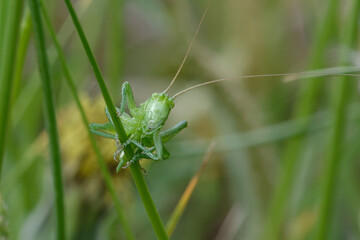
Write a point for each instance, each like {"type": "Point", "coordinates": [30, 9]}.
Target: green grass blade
{"type": "Point", "coordinates": [304, 107]}
{"type": "Point", "coordinates": [135, 168]}
{"type": "Point", "coordinates": [50, 118]}
{"type": "Point", "coordinates": [8, 47]}
{"type": "Point", "coordinates": [3, 14]}
{"type": "Point", "coordinates": [116, 49]}
{"type": "Point", "coordinates": [103, 168]}
{"type": "Point", "coordinates": [24, 39]}
{"type": "Point", "coordinates": [321, 72]}
{"type": "Point", "coordinates": [30, 91]}
{"type": "Point", "coordinates": [180, 207]}
{"type": "Point", "coordinates": [342, 87]}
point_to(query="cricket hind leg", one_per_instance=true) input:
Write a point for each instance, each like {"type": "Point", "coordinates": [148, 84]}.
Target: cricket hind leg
{"type": "Point", "coordinates": [143, 153]}
{"type": "Point", "coordinates": [99, 129]}
{"type": "Point", "coordinates": [172, 132]}
{"type": "Point", "coordinates": [161, 151]}
{"type": "Point", "coordinates": [148, 152]}
{"type": "Point", "coordinates": [121, 165]}
{"type": "Point", "coordinates": [127, 98]}
{"type": "Point", "coordinates": [137, 157]}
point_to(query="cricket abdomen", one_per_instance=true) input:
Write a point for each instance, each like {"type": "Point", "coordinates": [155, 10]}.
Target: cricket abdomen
{"type": "Point", "coordinates": [133, 126]}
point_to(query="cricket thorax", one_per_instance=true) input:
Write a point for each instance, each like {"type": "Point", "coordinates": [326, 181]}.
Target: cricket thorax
{"type": "Point", "coordinates": [157, 109]}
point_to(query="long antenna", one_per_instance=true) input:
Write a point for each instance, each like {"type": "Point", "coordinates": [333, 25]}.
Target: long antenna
{"type": "Point", "coordinates": [188, 51]}
{"type": "Point", "coordinates": [292, 75]}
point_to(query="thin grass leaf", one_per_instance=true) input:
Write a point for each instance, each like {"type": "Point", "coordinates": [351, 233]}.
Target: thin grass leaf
{"type": "Point", "coordinates": [233, 221]}
{"type": "Point", "coordinates": [103, 168]}
{"type": "Point", "coordinates": [180, 207]}
{"type": "Point", "coordinates": [26, 27]}
{"type": "Point", "coordinates": [8, 49]}
{"type": "Point", "coordinates": [135, 168]}
{"type": "Point", "coordinates": [115, 59]}
{"type": "Point", "coordinates": [30, 91]}
{"type": "Point", "coordinates": [50, 118]}
{"type": "Point", "coordinates": [342, 88]}
{"type": "Point", "coordinates": [3, 15]}
{"type": "Point", "coordinates": [304, 107]}
{"type": "Point", "coordinates": [322, 72]}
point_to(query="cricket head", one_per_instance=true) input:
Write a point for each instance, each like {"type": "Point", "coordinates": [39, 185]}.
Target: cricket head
{"type": "Point", "coordinates": [157, 109]}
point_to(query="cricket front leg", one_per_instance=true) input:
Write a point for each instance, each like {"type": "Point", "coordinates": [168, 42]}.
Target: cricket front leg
{"type": "Point", "coordinates": [127, 98]}
{"type": "Point", "coordinates": [158, 147]}
{"type": "Point", "coordinates": [104, 130]}
{"type": "Point", "coordinates": [172, 132]}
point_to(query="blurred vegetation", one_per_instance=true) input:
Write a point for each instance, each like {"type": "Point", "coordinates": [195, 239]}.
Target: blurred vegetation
{"type": "Point", "coordinates": [283, 167]}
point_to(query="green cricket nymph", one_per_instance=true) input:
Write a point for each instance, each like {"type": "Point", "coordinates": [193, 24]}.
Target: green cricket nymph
{"type": "Point", "coordinates": [143, 126]}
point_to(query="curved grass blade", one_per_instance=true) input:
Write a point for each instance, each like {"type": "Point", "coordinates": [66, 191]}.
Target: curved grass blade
{"type": "Point", "coordinates": [180, 207]}
{"type": "Point", "coordinates": [104, 171]}
{"type": "Point", "coordinates": [50, 118]}
{"type": "Point", "coordinates": [135, 168]}
{"type": "Point", "coordinates": [30, 91]}
{"type": "Point", "coordinates": [8, 48]}
{"type": "Point", "coordinates": [26, 27]}
{"type": "Point", "coordinates": [304, 107]}
{"type": "Point", "coordinates": [343, 88]}
{"type": "Point", "coordinates": [322, 72]}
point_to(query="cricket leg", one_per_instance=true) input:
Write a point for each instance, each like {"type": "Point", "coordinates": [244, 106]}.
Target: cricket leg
{"type": "Point", "coordinates": [170, 133]}
{"type": "Point", "coordinates": [122, 162]}
{"type": "Point", "coordinates": [98, 129]}
{"type": "Point", "coordinates": [148, 152]}
{"type": "Point", "coordinates": [159, 146]}
{"type": "Point", "coordinates": [108, 115]}
{"type": "Point", "coordinates": [140, 156]}
{"type": "Point", "coordinates": [127, 98]}
{"type": "Point", "coordinates": [120, 165]}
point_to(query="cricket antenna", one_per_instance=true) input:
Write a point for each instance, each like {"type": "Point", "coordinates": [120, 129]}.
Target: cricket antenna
{"type": "Point", "coordinates": [291, 77]}
{"type": "Point", "coordinates": [188, 50]}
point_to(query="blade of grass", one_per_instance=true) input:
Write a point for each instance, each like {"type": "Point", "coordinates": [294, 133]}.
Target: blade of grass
{"type": "Point", "coordinates": [50, 118]}
{"type": "Point", "coordinates": [135, 168]}
{"type": "Point", "coordinates": [26, 27]}
{"type": "Point", "coordinates": [30, 91]}
{"type": "Point", "coordinates": [262, 136]}
{"type": "Point", "coordinates": [267, 135]}
{"type": "Point", "coordinates": [304, 107]}
{"type": "Point", "coordinates": [342, 88]}
{"type": "Point", "coordinates": [3, 14]}
{"type": "Point", "coordinates": [232, 223]}
{"type": "Point", "coordinates": [116, 49]}
{"type": "Point", "coordinates": [104, 171]}
{"type": "Point", "coordinates": [233, 142]}
{"type": "Point", "coordinates": [180, 207]}
{"type": "Point", "coordinates": [321, 72]}
{"type": "Point", "coordinates": [8, 47]}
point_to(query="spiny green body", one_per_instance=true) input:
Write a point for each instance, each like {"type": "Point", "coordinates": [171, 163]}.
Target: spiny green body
{"type": "Point", "coordinates": [151, 115]}
{"type": "Point", "coordinates": [142, 125]}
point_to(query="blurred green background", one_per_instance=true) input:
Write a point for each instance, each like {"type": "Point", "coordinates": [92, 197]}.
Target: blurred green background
{"type": "Point", "coordinates": [277, 161]}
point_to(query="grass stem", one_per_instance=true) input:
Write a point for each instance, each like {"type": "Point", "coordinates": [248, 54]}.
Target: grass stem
{"type": "Point", "coordinates": [50, 117]}
{"type": "Point", "coordinates": [342, 87]}
{"type": "Point", "coordinates": [103, 168]}
{"type": "Point", "coordinates": [303, 108]}
{"type": "Point", "coordinates": [183, 201]}
{"type": "Point", "coordinates": [26, 27]}
{"type": "Point", "coordinates": [8, 46]}
{"type": "Point", "coordinates": [135, 168]}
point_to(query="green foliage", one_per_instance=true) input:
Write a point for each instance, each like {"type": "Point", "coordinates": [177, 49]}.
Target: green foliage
{"type": "Point", "coordinates": [50, 118]}
{"type": "Point", "coordinates": [285, 164]}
